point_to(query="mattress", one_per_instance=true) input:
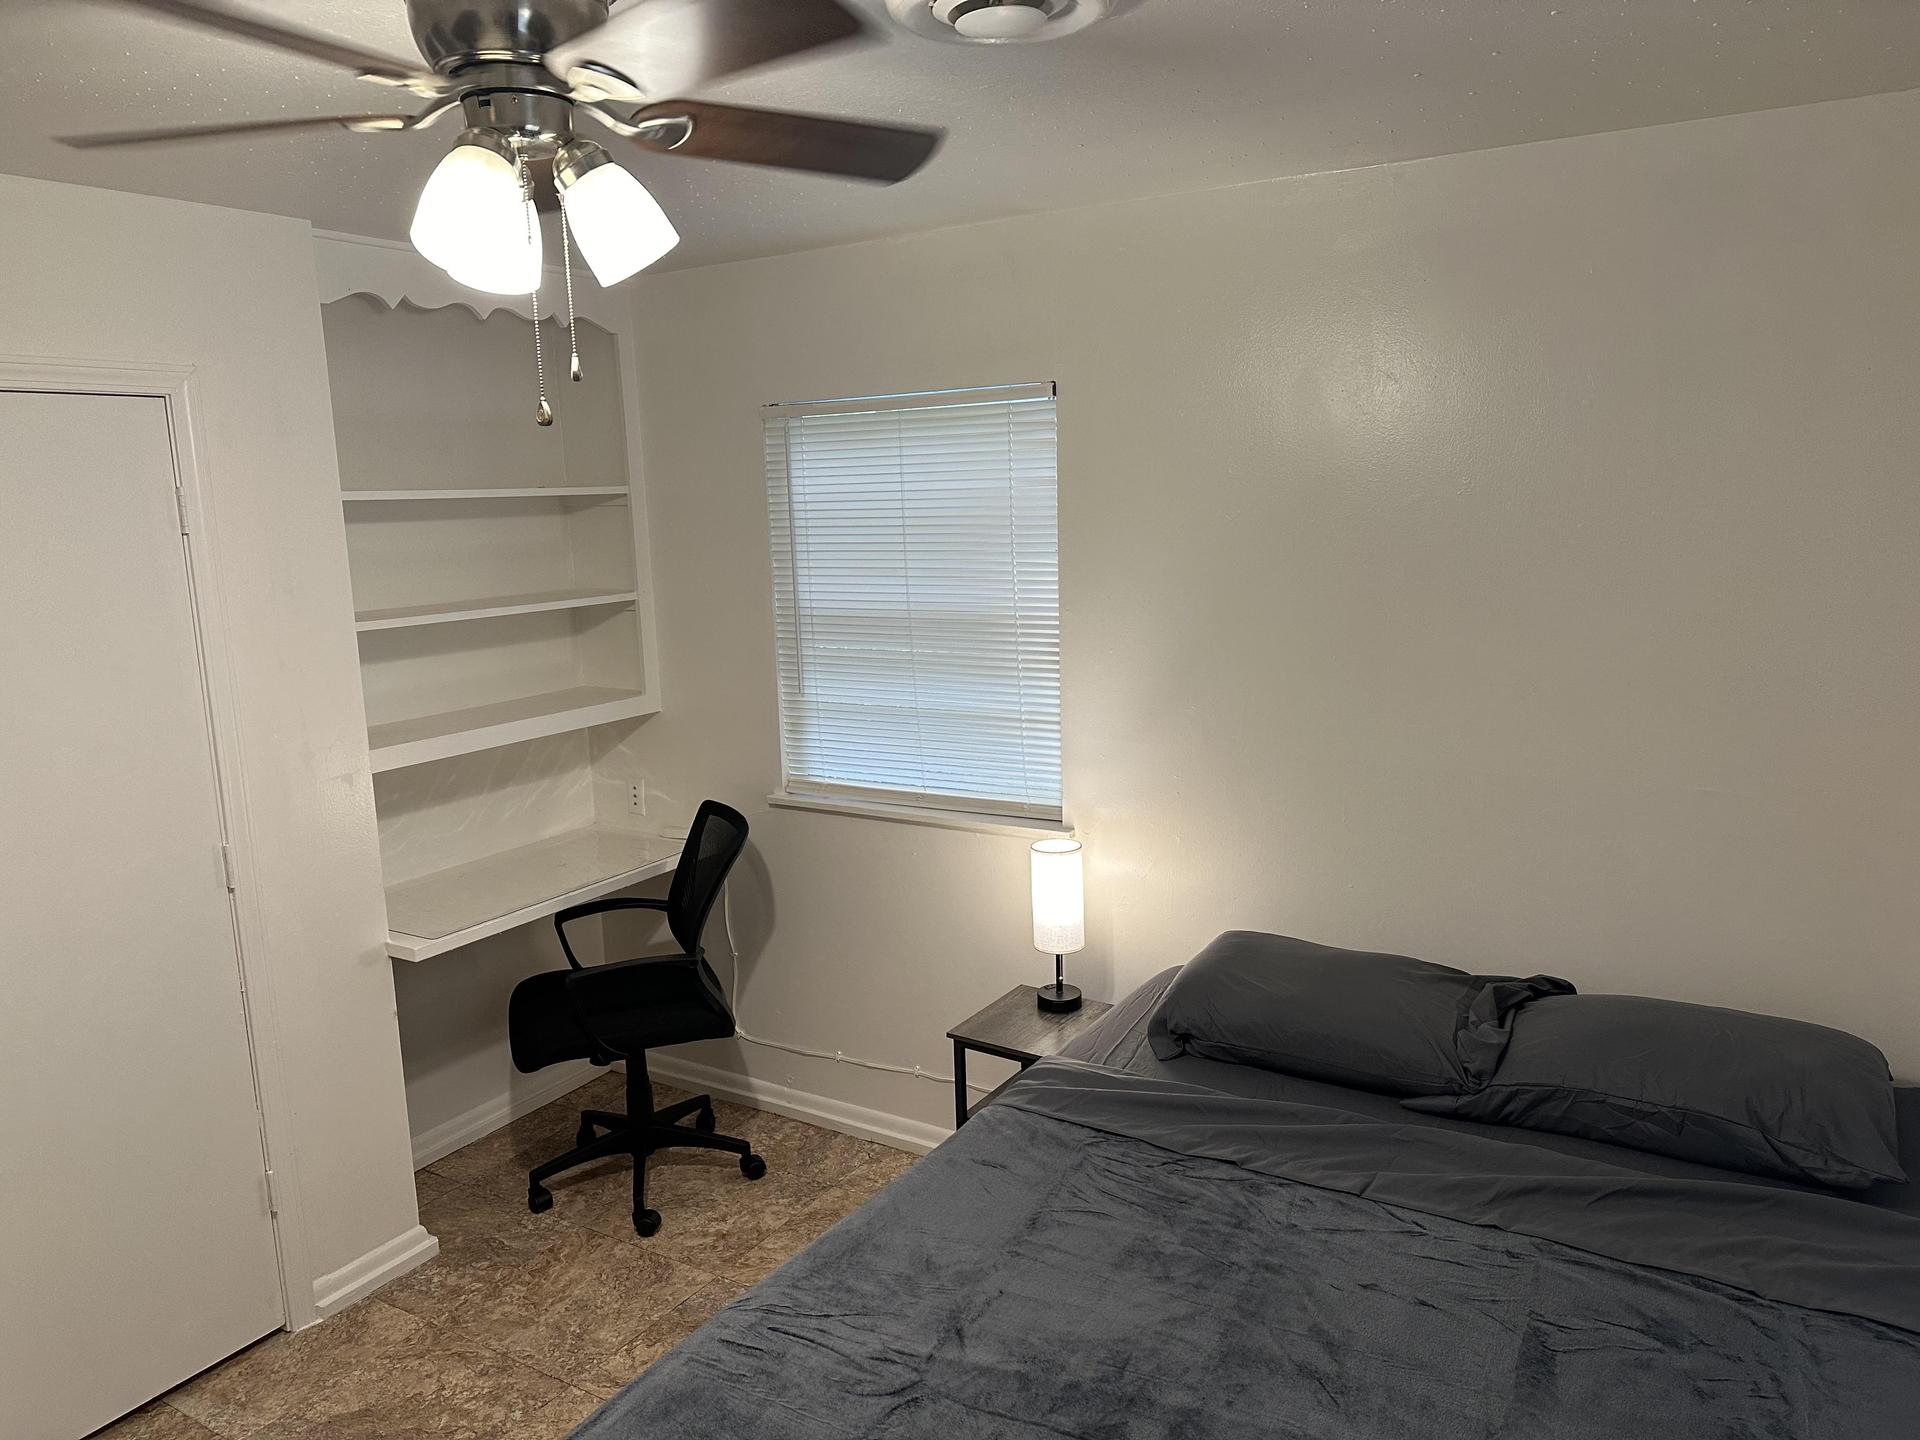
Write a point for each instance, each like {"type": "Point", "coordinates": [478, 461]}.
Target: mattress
{"type": "Point", "coordinates": [1116, 1248]}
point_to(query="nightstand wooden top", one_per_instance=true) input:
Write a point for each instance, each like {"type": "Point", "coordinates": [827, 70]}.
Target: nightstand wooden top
{"type": "Point", "coordinates": [1014, 1027]}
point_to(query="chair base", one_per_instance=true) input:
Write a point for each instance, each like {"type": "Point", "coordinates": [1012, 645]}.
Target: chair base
{"type": "Point", "coordinates": [654, 1130]}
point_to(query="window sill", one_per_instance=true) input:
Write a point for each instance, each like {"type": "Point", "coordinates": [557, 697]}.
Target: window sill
{"type": "Point", "coordinates": [922, 815]}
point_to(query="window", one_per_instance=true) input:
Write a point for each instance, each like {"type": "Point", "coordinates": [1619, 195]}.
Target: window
{"type": "Point", "coordinates": [916, 571]}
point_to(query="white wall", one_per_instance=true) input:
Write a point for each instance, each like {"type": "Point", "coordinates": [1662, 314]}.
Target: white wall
{"type": "Point", "coordinates": [94, 275]}
{"type": "Point", "coordinates": [1507, 558]}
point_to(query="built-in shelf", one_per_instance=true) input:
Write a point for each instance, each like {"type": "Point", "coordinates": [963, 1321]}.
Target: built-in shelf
{"type": "Point", "coordinates": [489, 557]}
{"type": "Point", "coordinates": [400, 743]}
{"type": "Point", "coordinates": [409, 615]}
{"type": "Point", "coordinates": [523, 492]}
{"type": "Point", "coordinates": [450, 908]}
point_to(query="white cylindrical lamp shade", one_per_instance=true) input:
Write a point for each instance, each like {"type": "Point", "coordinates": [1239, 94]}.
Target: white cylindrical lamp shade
{"type": "Point", "coordinates": [1059, 897]}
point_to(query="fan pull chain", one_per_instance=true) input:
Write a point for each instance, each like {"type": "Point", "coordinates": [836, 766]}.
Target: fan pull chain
{"type": "Point", "coordinates": [566, 269]}
{"type": "Point", "coordinates": [543, 412]}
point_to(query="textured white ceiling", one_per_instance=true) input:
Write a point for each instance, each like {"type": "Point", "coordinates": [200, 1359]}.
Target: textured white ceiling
{"type": "Point", "coordinates": [1176, 95]}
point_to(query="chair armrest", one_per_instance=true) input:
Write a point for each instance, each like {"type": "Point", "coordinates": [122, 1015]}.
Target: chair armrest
{"type": "Point", "coordinates": [564, 917]}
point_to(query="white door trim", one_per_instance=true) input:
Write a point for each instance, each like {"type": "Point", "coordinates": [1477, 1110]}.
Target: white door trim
{"type": "Point", "coordinates": [174, 385]}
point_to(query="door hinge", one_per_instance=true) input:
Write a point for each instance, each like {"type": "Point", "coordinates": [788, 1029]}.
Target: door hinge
{"type": "Point", "coordinates": [226, 865]}
{"type": "Point", "coordinates": [180, 504]}
{"type": "Point", "coordinates": [273, 1195]}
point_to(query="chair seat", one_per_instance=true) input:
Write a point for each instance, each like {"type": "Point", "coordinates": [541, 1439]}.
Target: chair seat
{"type": "Point", "coordinates": [633, 1006]}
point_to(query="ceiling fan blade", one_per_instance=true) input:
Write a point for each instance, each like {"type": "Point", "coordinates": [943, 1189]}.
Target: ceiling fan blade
{"type": "Point", "coordinates": [368, 64]}
{"type": "Point", "coordinates": [668, 46]}
{"type": "Point", "coordinates": [362, 123]}
{"type": "Point", "coordinates": [781, 138]}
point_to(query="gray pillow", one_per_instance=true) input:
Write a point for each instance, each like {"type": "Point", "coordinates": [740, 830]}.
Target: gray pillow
{"type": "Point", "coordinates": [1376, 1022]}
{"type": "Point", "coordinates": [1718, 1087]}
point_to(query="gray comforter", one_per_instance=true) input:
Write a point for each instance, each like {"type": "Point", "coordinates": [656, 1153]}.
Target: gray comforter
{"type": "Point", "coordinates": [1115, 1255]}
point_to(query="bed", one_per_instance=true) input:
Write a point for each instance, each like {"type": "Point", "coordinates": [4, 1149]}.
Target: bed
{"type": "Point", "coordinates": [1124, 1246]}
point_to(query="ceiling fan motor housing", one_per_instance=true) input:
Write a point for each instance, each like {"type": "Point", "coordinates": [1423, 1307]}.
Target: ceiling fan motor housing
{"type": "Point", "coordinates": [493, 48]}
{"type": "Point", "coordinates": [453, 34]}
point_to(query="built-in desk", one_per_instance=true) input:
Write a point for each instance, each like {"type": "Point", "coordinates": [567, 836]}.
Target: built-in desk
{"type": "Point", "coordinates": [436, 913]}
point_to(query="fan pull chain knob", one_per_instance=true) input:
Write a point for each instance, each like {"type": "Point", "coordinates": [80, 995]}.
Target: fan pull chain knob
{"type": "Point", "coordinates": [543, 412]}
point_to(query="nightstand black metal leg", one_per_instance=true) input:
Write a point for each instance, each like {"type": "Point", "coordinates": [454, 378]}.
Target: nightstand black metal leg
{"type": "Point", "coordinates": [959, 1084]}
{"type": "Point", "coordinates": [1017, 1029]}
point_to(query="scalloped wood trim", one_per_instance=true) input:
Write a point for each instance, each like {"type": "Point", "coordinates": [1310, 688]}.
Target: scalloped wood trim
{"type": "Point", "coordinates": [552, 314]}
{"type": "Point", "coordinates": [391, 271]}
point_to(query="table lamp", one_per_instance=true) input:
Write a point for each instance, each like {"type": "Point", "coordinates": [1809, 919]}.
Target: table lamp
{"type": "Point", "coordinates": [1059, 916]}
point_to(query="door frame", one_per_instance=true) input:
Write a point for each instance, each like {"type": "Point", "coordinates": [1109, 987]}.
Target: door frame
{"type": "Point", "coordinates": [175, 386]}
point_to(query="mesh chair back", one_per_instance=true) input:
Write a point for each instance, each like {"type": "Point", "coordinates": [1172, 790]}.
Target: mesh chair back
{"type": "Point", "coordinates": [714, 841]}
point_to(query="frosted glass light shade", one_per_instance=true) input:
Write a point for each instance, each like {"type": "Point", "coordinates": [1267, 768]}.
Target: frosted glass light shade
{"type": "Point", "coordinates": [1059, 897]}
{"type": "Point", "coordinates": [472, 221]}
{"type": "Point", "coordinates": [618, 225]}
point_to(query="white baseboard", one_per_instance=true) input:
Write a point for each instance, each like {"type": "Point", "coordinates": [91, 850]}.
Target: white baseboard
{"type": "Point", "coordinates": [483, 1119]}
{"type": "Point", "coordinates": [358, 1279]}
{"type": "Point", "coordinates": [820, 1110]}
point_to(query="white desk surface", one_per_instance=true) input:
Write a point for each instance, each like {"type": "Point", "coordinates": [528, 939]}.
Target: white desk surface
{"type": "Point", "coordinates": [455, 907]}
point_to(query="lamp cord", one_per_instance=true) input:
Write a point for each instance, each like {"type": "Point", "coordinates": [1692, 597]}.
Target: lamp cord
{"type": "Point", "coordinates": [918, 1072]}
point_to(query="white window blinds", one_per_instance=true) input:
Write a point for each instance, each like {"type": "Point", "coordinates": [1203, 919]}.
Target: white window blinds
{"type": "Point", "coordinates": [916, 569]}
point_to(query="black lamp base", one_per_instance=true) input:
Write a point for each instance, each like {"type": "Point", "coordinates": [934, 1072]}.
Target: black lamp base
{"type": "Point", "coordinates": [1058, 998]}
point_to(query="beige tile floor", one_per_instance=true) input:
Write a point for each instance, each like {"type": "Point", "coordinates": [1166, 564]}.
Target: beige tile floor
{"type": "Point", "coordinates": [525, 1323]}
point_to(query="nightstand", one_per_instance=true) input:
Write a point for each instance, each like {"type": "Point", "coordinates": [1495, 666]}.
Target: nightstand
{"type": "Point", "coordinates": [1014, 1027]}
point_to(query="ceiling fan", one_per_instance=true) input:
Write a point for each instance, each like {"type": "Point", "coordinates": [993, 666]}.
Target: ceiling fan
{"type": "Point", "coordinates": [520, 71]}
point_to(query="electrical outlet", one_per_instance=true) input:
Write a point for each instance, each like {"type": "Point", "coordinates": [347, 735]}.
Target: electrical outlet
{"type": "Point", "coordinates": [637, 797]}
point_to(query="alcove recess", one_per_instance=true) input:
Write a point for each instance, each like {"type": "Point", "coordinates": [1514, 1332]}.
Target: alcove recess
{"type": "Point", "coordinates": [502, 603]}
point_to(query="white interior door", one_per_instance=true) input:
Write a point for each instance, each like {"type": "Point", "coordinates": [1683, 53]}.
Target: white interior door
{"type": "Point", "coordinates": [137, 1245]}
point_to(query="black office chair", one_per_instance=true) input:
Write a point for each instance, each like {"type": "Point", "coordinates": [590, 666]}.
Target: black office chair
{"type": "Point", "coordinates": [619, 1011]}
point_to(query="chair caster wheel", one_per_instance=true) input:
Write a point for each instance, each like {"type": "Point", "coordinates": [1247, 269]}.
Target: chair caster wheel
{"type": "Point", "coordinates": [704, 1122]}
{"type": "Point", "coordinates": [752, 1166]}
{"type": "Point", "coordinates": [646, 1222]}
{"type": "Point", "coordinates": [539, 1199]}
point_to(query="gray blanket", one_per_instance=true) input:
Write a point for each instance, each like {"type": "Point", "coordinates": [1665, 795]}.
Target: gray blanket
{"type": "Point", "coordinates": [1109, 1255]}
